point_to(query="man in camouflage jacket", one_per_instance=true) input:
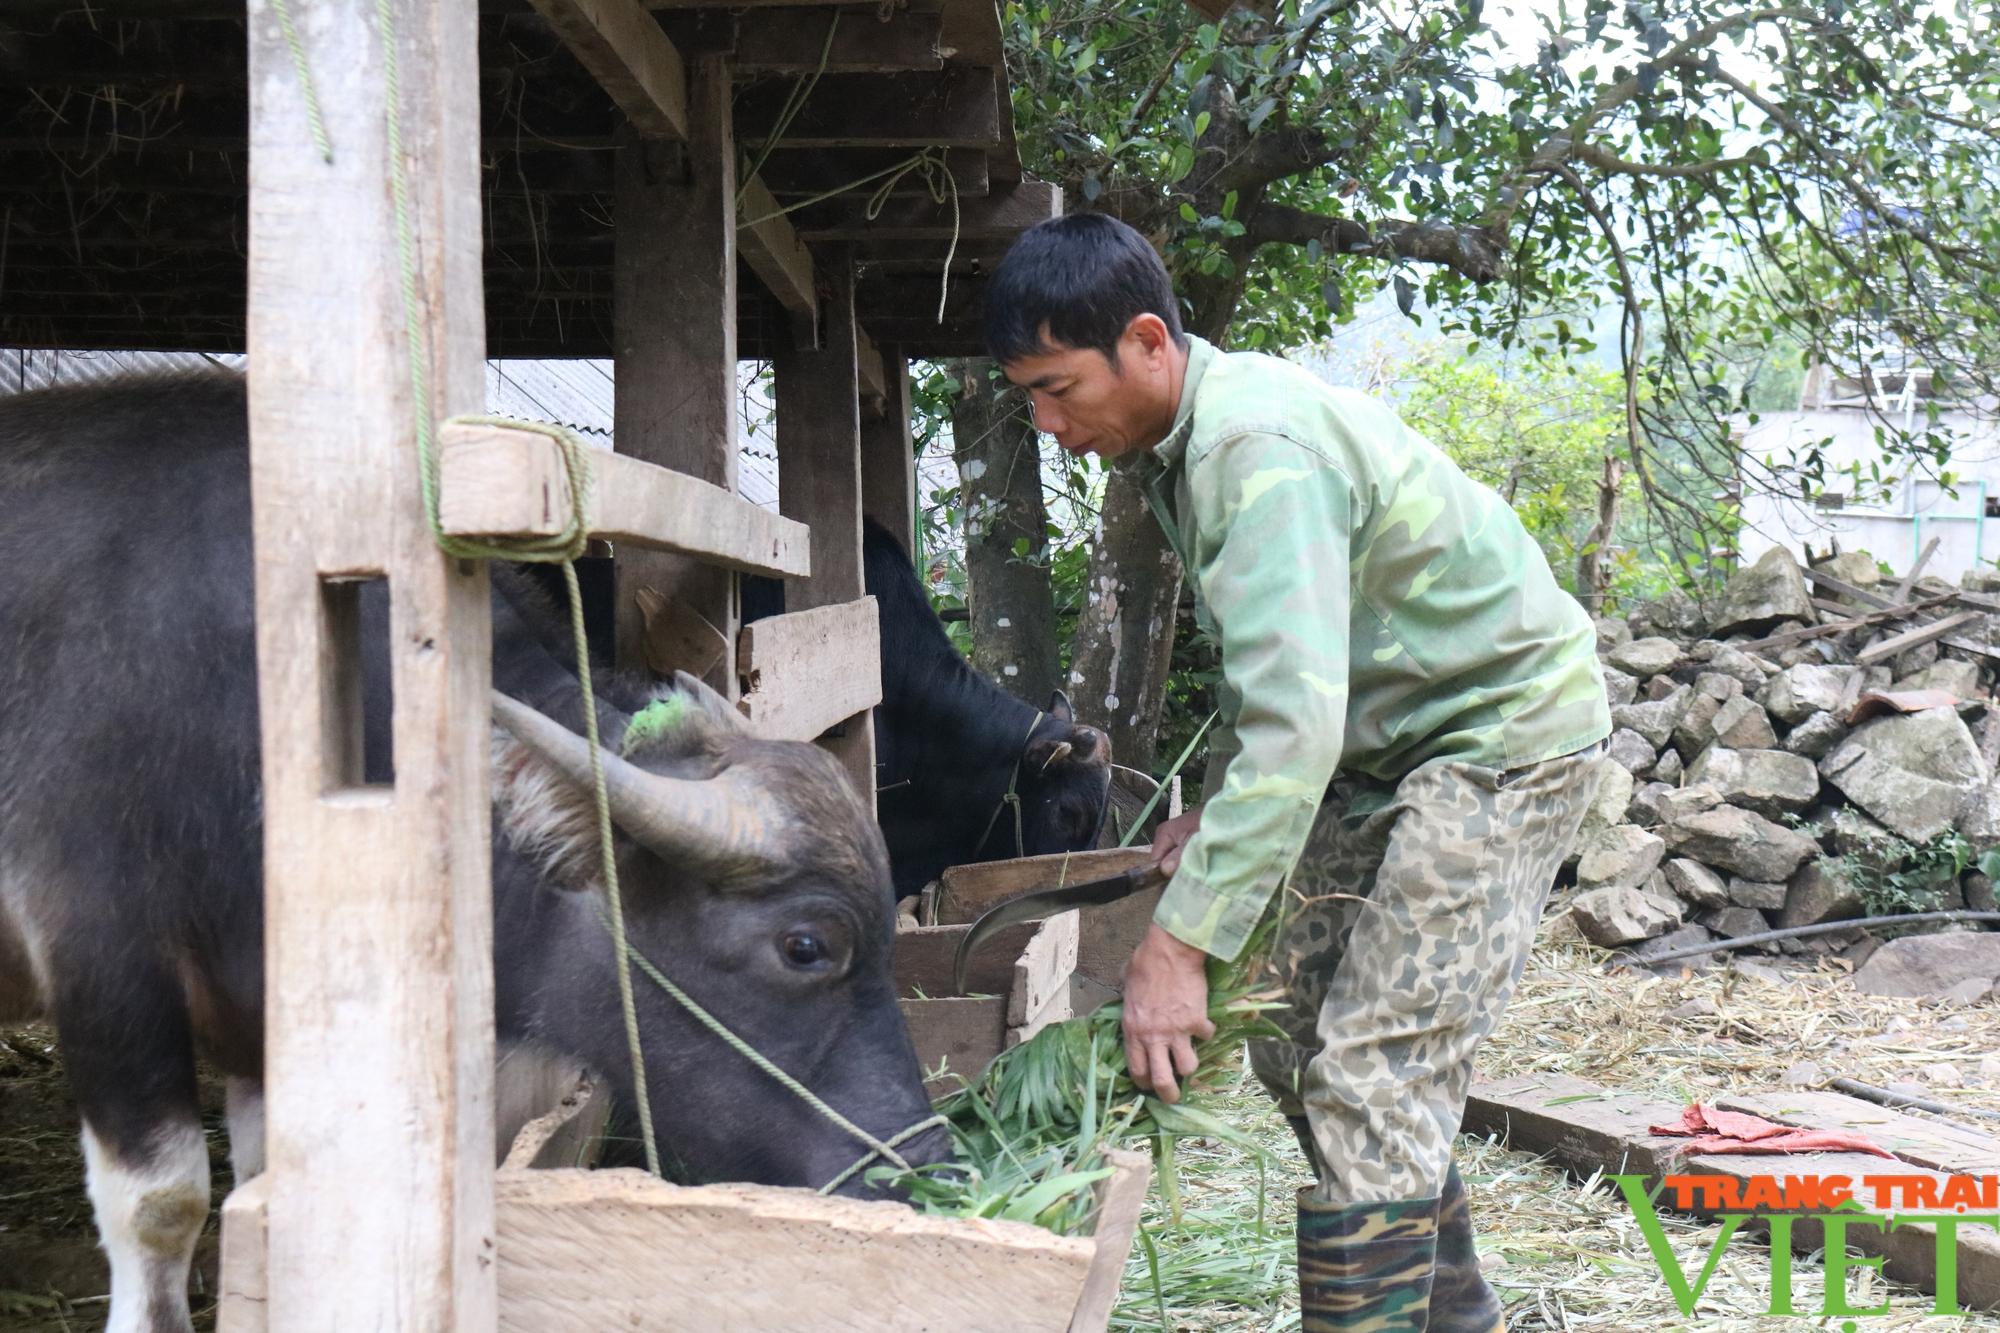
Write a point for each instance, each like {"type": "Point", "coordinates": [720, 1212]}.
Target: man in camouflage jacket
{"type": "Point", "coordinates": [1411, 722]}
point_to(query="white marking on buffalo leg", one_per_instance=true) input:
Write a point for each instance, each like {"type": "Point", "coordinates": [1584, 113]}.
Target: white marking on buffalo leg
{"type": "Point", "coordinates": [244, 1100]}
{"type": "Point", "coordinates": [149, 1212]}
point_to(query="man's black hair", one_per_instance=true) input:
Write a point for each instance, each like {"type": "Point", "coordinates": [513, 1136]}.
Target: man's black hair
{"type": "Point", "coordinates": [1084, 276]}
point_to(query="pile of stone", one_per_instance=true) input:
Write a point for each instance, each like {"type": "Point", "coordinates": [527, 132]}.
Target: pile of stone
{"type": "Point", "coordinates": [1753, 768]}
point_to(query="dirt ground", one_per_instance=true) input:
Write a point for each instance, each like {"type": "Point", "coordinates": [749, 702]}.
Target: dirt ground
{"type": "Point", "coordinates": [53, 1278]}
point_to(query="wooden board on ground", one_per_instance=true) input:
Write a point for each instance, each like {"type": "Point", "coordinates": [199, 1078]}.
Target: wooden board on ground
{"type": "Point", "coordinates": [1589, 1129]}
{"type": "Point", "coordinates": [1017, 984]}
{"type": "Point", "coordinates": [581, 1251]}
{"type": "Point", "coordinates": [808, 670]}
{"type": "Point", "coordinates": [1107, 935]}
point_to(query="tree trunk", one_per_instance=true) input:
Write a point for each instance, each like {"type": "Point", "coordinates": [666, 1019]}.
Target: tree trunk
{"type": "Point", "coordinates": [1011, 606]}
{"type": "Point", "coordinates": [1125, 632]}
{"type": "Point", "coordinates": [1591, 576]}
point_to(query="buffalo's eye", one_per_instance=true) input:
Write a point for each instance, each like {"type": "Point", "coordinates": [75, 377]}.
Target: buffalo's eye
{"type": "Point", "coordinates": [803, 950]}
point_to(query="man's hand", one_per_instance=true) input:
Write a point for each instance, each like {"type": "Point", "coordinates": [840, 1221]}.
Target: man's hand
{"type": "Point", "coordinates": [1166, 1009]}
{"type": "Point", "coordinates": [1171, 836]}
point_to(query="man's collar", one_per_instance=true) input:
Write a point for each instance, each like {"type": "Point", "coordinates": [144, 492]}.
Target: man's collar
{"type": "Point", "coordinates": [1200, 355]}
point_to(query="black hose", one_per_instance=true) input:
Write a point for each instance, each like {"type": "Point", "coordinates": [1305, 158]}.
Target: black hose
{"type": "Point", "coordinates": [1893, 1100]}
{"type": "Point", "coordinates": [1796, 932]}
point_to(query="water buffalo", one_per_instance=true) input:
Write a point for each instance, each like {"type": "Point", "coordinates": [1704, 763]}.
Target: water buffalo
{"type": "Point", "coordinates": [950, 745]}
{"type": "Point", "coordinates": [131, 895]}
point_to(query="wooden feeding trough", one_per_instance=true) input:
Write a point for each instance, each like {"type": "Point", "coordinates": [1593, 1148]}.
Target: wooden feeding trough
{"type": "Point", "coordinates": [1016, 985]}
{"type": "Point", "coordinates": [1105, 936]}
{"type": "Point", "coordinates": [585, 1251]}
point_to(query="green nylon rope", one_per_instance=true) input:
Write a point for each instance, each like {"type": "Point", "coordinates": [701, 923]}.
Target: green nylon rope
{"type": "Point", "coordinates": [564, 548]}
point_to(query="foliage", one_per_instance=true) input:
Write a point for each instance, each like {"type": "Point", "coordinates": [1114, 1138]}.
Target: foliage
{"type": "Point", "coordinates": [1894, 875]}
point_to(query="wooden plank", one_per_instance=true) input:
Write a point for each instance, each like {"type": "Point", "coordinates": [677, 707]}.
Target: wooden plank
{"type": "Point", "coordinates": [888, 460]}
{"type": "Point", "coordinates": [625, 51]}
{"type": "Point", "coordinates": [774, 253]}
{"type": "Point", "coordinates": [243, 1303]}
{"type": "Point", "coordinates": [795, 41]}
{"type": "Point", "coordinates": [497, 481]}
{"type": "Point", "coordinates": [951, 108]}
{"type": "Point", "coordinates": [819, 477]}
{"type": "Point", "coordinates": [870, 375]}
{"type": "Point", "coordinates": [1840, 626]}
{"type": "Point", "coordinates": [566, 1134]}
{"type": "Point", "coordinates": [1039, 994]}
{"type": "Point", "coordinates": [1004, 212]}
{"type": "Point", "coordinates": [378, 912]}
{"type": "Point", "coordinates": [1937, 1144]}
{"type": "Point", "coordinates": [1902, 593]}
{"type": "Point", "coordinates": [1589, 1129]}
{"type": "Point", "coordinates": [964, 892]}
{"type": "Point", "coordinates": [1120, 1200]}
{"type": "Point", "coordinates": [1911, 638]}
{"type": "Point", "coordinates": [674, 335]}
{"type": "Point", "coordinates": [1862, 597]}
{"type": "Point", "coordinates": [807, 671]}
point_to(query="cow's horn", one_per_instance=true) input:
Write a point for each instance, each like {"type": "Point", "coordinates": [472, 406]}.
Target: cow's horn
{"type": "Point", "coordinates": [711, 822]}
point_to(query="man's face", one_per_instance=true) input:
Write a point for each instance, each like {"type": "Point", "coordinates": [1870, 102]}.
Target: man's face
{"type": "Point", "coordinates": [1093, 405]}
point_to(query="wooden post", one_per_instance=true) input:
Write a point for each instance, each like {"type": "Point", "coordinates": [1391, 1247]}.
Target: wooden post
{"type": "Point", "coordinates": [888, 468]}
{"type": "Point", "coordinates": [379, 1004]}
{"type": "Point", "coordinates": [675, 337]}
{"type": "Point", "coordinates": [819, 476]}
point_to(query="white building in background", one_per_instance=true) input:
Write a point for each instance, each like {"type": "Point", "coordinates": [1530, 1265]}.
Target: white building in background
{"type": "Point", "coordinates": [1892, 523]}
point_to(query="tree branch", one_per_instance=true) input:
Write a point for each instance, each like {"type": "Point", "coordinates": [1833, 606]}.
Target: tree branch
{"type": "Point", "coordinates": [1468, 251]}
{"type": "Point", "coordinates": [1606, 160]}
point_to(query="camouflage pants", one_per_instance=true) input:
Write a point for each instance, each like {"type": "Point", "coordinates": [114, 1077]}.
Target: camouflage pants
{"type": "Point", "coordinates": [1404, 930]}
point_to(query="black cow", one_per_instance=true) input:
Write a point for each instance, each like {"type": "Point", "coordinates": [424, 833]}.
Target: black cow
{"type": "Point", "coordinates": [956, 756]}
{"type": "Point", "coordinates": [131, 908]}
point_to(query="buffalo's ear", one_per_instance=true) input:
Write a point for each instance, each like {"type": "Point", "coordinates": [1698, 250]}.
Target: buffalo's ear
{"type": "Point", "coordinates": [1059, 708]}
{"type": "Point", "coordinates": [719, 712]}
{"type": "Point", "coordinates": [546, 818]}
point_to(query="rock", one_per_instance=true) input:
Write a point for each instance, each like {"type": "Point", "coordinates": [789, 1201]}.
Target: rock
{"type": "Point", "coordinates": [1660, 687]}
{"type": "Point", "coordinates": [1816, 893]}
{"type": "Point", "coordinates": [1696, 729]}
{"type": "Point", "coordinates": [1973, 990]}
{"type": "Point", "coordinates": [1921, 658]}
{"type": "Point", "coordinates": [1645, 657]}
{"type": "Point", "coordinates": [1607, 808]}
{"type": "Point", "coordinates": [1695, 884]}
{"type": "Point", "coordinates": [1739, 666]}
{"type": "Point", "coordinates": [1770, 782]}
{"type": "Point", "coordinates": [1611, 632]}
{"type": "Point", "coordinates": [1849, 832]}
{"type": "Point", "coordinates": [1911, 771]}
{"type": "Point", "coordinates": [1764, 895]}
{"type": "Point", "coordinates": [1689, 800]}
{"type": "Point", "coordinates": [1979, 816]}
{"type": "Point", "coordinates": [1742, 724]}
{"type": "Point", "coordinates": [1942, 1076]}
{"type": "Point", "coordinates": [1989, 1070]}
{"type": "Point", "coordinates": [1980, 580]}
{"type": "Point", "coordinates": [1740, 841]}
{"type": "Point", "coordinates": [1718, 686]}
{"type": "Point", "coordinates": [1816, 736]}
{"type": "Point", "coordinates": [1979, 893]}
{"type": "Point", "coordinates": [1927, 965]}
{"type": "Point", "coordinates": [1614, 916]}
{"type": "Point", "coordinates": [1733, 923]}
{"type": "Point", "coordinates": [1685, 937]}
{"type": "Point", "coordinates": [1757, 970]}
{"type": "Point", "coordinates": [1676, 614]}
{"type": "Point", "coordinates": [1763, 594]}
{"type": "Point", "coordinates": [1629, 750]}
{"type": "Point", "coordinates": [1855, 567]}
{"type": "Point", "coordinates": [1859, 952]}
{"type": "Point", "coordinates": [1804, 1074]}
{"type": "Point", "coordinates": [1797, 692]}
{"type": "Point", "coordinates": [1655, 721]}
{"type": "Point", "coordinates": [1669, 767]}
{"type": "Point", "coordinates": [1951, 675]}
{"type": "Point", "coordinates": [1621, 857]}
{"type": "Point", "coordinates": [1644, 807]}
{"type": "Point", "coordinates": [1619, 688]}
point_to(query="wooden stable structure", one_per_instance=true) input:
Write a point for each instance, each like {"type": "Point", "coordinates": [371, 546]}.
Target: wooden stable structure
{"type": "Point", "coordinates": [370, 199]}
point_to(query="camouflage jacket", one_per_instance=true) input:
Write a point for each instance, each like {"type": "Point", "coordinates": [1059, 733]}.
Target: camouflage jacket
{"type": "Point", "coordinates": [1377, 610]}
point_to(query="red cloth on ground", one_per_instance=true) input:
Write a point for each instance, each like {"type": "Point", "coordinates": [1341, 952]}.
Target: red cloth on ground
{"type": "Point", "coordinates": [1713, 1131]}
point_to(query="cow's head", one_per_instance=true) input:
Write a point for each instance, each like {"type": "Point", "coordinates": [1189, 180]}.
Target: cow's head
{"type": "Point", "coordinates": [1064, 781]}
{"type": "Point", "coordinates": [755, 879]}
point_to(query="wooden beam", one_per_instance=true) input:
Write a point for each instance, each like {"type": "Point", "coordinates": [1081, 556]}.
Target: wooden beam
{"type": "Point", "coordinates": [808, 671]}
{"type": "Point", "coordinates": [625, 51]}
{"type": "Point", "coordinates": [1000, 215]}
{"type": "Point", "coordinates": [502, 481]}
{"type": "Point", "coordinates": [795, 41]}
{"type": "Point", "coordinates": [819, 476]}
{"type": "Point", "coordinates": [888, 462]}
{"type": "Point", "coordinates": [378, 1069]}
{"type": "Point", "coordinates": [952, 108]}
{"type": "Point", "coordinates": [1911, 638]}
{"type": "Point", "coordinates": [870, 372]}
{"type": "Point", "coordinates": [772, 250]}
{"type": "Point", "coordinates": [674, 335]}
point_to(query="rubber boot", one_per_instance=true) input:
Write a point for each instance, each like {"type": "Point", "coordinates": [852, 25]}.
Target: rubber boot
{"type": "Point", "coordinates": [1366, 1266]}
{"type": "Point", "coordinates": [1462, 1301]}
